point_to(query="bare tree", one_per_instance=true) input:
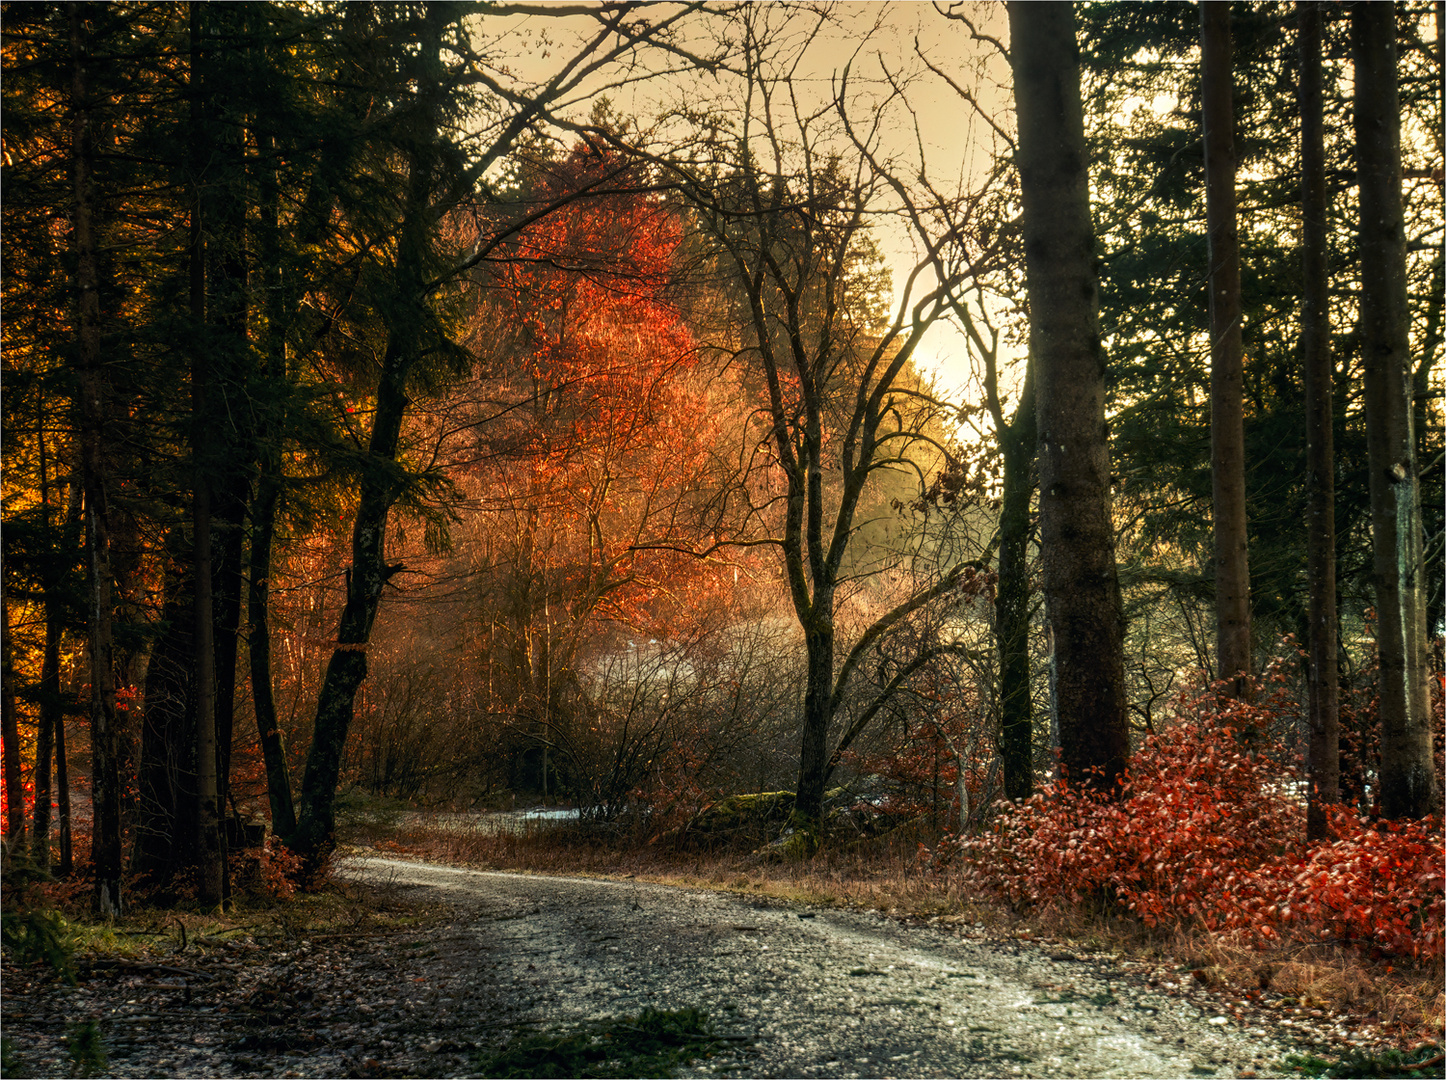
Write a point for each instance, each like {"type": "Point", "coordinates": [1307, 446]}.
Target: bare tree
{"type": "Point", "coordinates": [787, 195]}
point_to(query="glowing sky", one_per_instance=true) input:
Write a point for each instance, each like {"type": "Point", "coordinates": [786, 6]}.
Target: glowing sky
{"type": "Point", "coordinates": [869, 38]}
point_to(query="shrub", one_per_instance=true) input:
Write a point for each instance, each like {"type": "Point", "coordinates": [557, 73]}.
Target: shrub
{"type": "Point", "coordinates": [1381, 885]}
{"type": "Point", "coordinates": [270, 870]}
{"type": "Point", "coordinates": [40, 937]}
{"type": "Point", "coordinates": [1209, 832]}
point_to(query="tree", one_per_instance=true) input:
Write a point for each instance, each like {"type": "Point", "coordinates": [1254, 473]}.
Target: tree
{"type": "Point", "coordinates": [94, 413]}
{"type": "Point", "coordinates": [209, 847]}
{"type": "Point", "coordinates": [10, 732]}
{"type": "Point", "coordinates": [1082, 592]}
{"type": "Point", "coordinates": [606, 462]}
{"type": "Point", "coordinates": [1323, 754]}
{"type": "Point", "coordinates": [1407, 772]}
{"type": "Point", "coordinates": [1227, 352]}
{"type": "Point", "coordinates": [840, 409]}
{"type": "Point", "coordinates": [1015, 436]}
{"type": "Point", "coordinates": [427, 166]}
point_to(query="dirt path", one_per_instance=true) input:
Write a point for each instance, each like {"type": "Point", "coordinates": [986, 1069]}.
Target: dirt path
{"type": "Point", "coordinates": [817, 993]}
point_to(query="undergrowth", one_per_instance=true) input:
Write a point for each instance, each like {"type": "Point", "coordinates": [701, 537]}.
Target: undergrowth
{"type": "Point", "coordinates": [40, 937]}
{"type": "Point", "coordinates": [1209, 833]}
{"type": "Point", "coordinates": [86, 1048]}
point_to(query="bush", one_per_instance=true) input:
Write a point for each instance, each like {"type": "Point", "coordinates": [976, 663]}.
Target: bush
{"type": "Point", "coordinates": [1382, 886]}
{"type": "Point", "coordinates": [34, 937]}
{"type": "Point", "coordinates": [1209, 832]}
{"type": "Point", "coordinates": [269, 871]}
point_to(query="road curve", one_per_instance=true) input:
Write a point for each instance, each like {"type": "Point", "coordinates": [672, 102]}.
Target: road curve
{"type": "Point", "coordinates": [818, 992]}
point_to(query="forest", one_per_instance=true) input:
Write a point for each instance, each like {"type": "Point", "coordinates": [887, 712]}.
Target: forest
{"type": "Point", "coordinates": [481, 405]}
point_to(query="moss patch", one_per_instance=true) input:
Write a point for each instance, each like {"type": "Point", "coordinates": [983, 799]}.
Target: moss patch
{"type": "Point", "coordinates": [747, 818]}
{"type": "Point", "coordinates": [1421, 1062]}
{"type": "Point", "coordinates": [652, 1043]}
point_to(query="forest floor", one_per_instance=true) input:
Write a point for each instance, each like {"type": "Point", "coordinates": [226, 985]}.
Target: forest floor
{"type": "Point", "coordinates": [399, 969]}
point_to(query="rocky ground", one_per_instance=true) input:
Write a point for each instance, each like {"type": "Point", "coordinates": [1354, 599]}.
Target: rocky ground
{"type": "Point", "coordinates": [794, 991]}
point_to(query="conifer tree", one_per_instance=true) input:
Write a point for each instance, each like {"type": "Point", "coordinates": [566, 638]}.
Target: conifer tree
{"type": "Point", "coordinates": [1407, 770]}
{"type": "Point", "coordinates": [1081, 585]}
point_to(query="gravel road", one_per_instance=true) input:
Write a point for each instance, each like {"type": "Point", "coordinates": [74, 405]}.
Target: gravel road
{"type": "Point", "coordinates": [816, 992]}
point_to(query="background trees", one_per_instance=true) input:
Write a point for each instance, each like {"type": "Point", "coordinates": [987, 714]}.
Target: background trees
{"type": "Point", "coordinates": [1153, 266]}
{"type": "Point", "coordinates": [544, 450]}
{"type": "Point", "coordinates": [1227, 351]}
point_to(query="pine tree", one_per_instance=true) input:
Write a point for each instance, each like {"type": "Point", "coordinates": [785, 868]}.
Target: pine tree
{"type": "Point", "coordinates": [1081, 586]}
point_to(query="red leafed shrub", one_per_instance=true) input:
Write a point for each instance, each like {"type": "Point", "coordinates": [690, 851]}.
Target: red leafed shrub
{"type": "Point", "coordinates": [1209, 831]}
{"type": "Point", "coordinates": [1383, 885]}
{"type": "Point", "coordinates": [270, 870]}
{"type": "Point", "coordinates": [1197, 809]}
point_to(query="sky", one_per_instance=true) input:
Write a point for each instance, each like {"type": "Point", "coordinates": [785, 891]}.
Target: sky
{"type": "Point", "coordinates": [867, 36]}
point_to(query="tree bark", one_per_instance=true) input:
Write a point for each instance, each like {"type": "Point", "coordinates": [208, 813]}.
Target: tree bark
{"type": "Point", "coordinates": [231, 369]}
{"type": "Point", "coordinates": [51, 713]}
{"type": "Point", "coordinates": [1011, 602]}
{"type": "Point", "coordinates": [10, 731]}
{"type": "Point", "coordinates": [62, 804]}
{"type": "Point", "coordinates": [276, 307]}
{"type": "Point", "coordinates": [1081, 583]}
{"type": "Point", "coordinates": [380, 486]}
{"type": "Point", "coordinates": [258, 613]}
{"type": "Point", "coordinates": [1323, 756]}
{"type": "Point", "coordinates": [207, 821]}
{"type": "Point", "coordinates": [93, 413]}
{"type": "Point", "coordinates": [166, 802]}
{"type": "Point", "coordinates": [1227, 354]}
{"type": "Point", "coordinates": [1407, 777]}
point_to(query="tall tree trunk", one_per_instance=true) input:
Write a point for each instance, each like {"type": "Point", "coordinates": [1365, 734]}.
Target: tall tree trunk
{"type": "Point", "coordinates": [231, 373]}
{"type": "Point", "coordinates": [1323, 757]}
{"type": "Point", "coordinates": [1407, 772]}
{"type": "Point", "coordinates": [62, 804]}
{"type": "Point", "coordinates": [1011, 600]}
{"type": "Point", "coordinates": [51, 714]}
{"type": "Point", "coordinates": [10, 731]}
{"type": "Point", "coordinates": [813, 762]}
{"type": "Point", "coordinates": [263, 697]}
{"type": "Point", "coordinates": [207, 822]}
{"type": "Point", "coordinates": [93, 413]}
{"type": "Point", "coordinates": [1227, 353]}
{"type": "Point", "coordinates": [316, 823]}
{"type": "Point", "coordinates": [166, 806]}
{"type": "Point", "coordinates": [382, 478]}
{"type": "Point", "coordinates": [267, 500]}
{"type": "Point", "coordinates": [51, 711]}
{"type": "Point", "coordinates": [1081, 583]}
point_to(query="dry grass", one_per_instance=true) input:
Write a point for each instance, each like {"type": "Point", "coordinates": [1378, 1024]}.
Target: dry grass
{"type": "Point", "coordinates": [884, 873]}
{"type": "Point", "coordinates": [1399, 997]}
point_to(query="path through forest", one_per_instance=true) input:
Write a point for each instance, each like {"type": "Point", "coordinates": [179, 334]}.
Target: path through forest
{"type": "Point", "coordinates": [818, 992]}
{"type": "Point", "coordinates": [461, 961]}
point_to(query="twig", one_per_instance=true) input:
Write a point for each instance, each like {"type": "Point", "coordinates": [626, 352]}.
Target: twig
{"type": "Point", "coordinates": [1413, 1066]}
{"type": "Point", "coordinates": [136, 965]}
